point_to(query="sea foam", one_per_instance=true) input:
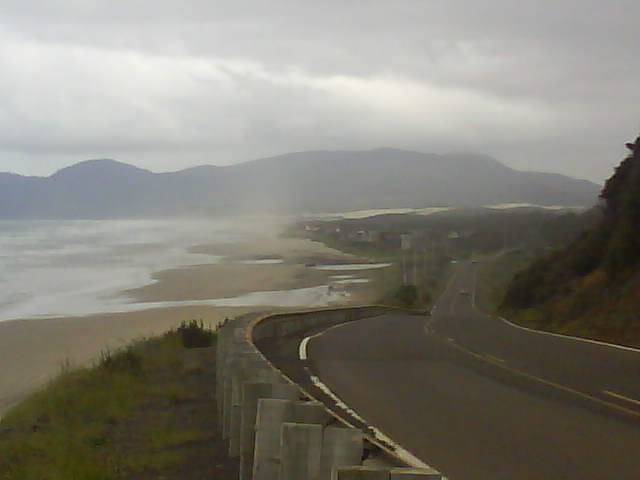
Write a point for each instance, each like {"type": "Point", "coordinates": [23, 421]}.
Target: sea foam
{"type": "Point", "coordinates": [56, 268]}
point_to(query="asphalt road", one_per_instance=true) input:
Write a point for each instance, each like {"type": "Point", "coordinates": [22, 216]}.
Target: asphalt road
{"type": "Point", "coordinates": [481, 399]}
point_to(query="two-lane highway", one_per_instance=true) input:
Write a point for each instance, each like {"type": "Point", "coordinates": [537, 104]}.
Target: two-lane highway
{"type": "Point", "coordinates": [602, 373]}
{"type": "Point", "coordinates": [480, 399]}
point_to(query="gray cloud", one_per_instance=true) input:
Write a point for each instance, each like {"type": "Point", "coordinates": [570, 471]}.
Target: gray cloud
{"type": "Point", "coordinates": [545, 85]}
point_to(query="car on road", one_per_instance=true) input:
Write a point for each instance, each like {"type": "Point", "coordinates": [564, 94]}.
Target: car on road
{"type": "Point", "coordinates": [464, 292]}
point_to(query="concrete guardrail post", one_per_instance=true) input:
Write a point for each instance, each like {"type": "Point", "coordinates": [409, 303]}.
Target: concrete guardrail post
{"type": "Point", "coordinates": [251, 395]}
{"type": "Point", "coordinates": [245, 364]}
{"type": "Point", "coordinates": [232, 369]}
{"type": "Point", "coordinates": [310, 412]}
{"type": "Point", "coordinates": [252, 392]}
{"type": "Point", "coordinates": [340, 447]}
{"type": "Point", "coordinates": [245, 373]}
{"type": "Point", "coordinates": [301, 448]}
{"type": "Point", "coordinates": [271, 415]}
{"type": "Point", "coordinates": [234, 431]}
{"type": "Point", "coordinates": [360, 473]}
{"type": "Point", "coordinates": [226, 407]}
{"type": "Point", "coordinates": [222, 357]}
{"type": "Point", "coordinates": [414, 474]}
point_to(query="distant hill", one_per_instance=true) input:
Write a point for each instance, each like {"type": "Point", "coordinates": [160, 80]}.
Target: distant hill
{"type": "Point", "coordinates": [591, 287]}
{"type": "Point", "coordinates": [317, 181]}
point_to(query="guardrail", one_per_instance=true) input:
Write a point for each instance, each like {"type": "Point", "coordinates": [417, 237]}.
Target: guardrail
{"type": "Point", "coordinates": [280, 431]}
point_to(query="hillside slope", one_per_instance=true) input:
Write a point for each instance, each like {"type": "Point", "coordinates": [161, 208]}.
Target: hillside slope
{"type": "Point", "coordinates": [592, 286]}
{"type": "Point", "coordinates": [318, 181]}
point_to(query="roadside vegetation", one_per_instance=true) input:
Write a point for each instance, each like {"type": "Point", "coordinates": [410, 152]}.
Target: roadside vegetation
{"type": "Point", "coordinates": [495, 273]}
{"type": "Point", "coordinates": [505, 240]}
{"type": "Point", "coordinates": [412, 281]}
{"type": "Point", "coordinates": [144, 411]}
{"type": "Point", "coordinates": [589, 287]}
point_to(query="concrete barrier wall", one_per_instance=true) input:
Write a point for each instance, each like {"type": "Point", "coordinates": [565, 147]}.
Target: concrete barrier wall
{"type": "Point", "coordinates": [287, 324]}
{"type": "Point", "coordinates": [275, 429]}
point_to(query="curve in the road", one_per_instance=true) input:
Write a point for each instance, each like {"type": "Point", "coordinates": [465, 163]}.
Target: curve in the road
{"type": "Point", "coordinates": [480, 399]}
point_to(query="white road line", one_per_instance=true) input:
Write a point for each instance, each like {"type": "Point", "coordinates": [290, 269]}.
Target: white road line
{"type": "Point", "coordinates": [302, 349]}
{"type": "Point", "coordinates": [551, 334]}
{"type": "Point", "coordinates": [495, 359]}
{"type": "Point", "coordinates": [621, 397]}
{"type": "Point", "coordinates": [569, 337]}
{"type": "Point", "coordinates": [399, 450]}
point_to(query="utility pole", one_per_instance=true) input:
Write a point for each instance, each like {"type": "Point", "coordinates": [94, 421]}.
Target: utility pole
{"type": "Point", "coordinates": [404, 269]}
{"type": "Point", "coordinates": [424, 259]}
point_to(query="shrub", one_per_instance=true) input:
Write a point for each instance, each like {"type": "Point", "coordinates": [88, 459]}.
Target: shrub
{"type": "Point", "coordinates": [194, 334]}
{"type": "Point", "coordinates": [406, 296]}
{"type": "Point", "coordinates": [125, 360]}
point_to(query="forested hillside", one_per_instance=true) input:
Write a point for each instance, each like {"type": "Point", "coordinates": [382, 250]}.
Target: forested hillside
{"type": "Point", "coordinates": [592, 286]}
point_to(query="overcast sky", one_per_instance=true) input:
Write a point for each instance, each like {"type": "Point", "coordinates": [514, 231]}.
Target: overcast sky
{"type": "Point", "coordinates": [547, 85]}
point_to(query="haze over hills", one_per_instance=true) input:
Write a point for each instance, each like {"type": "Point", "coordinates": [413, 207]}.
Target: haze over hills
{"type": "Point", "coordinates": [315, 181]}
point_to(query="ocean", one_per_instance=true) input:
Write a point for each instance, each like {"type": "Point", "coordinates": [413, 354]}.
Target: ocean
{"type": "Point", "coordinates": [58, 268]}
{"type": "Point", "coordinates": [52, 269]}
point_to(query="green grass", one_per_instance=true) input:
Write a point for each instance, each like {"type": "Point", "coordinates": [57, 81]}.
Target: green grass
{"type": "Point", "coordinates": [166, 438]}
{"type": "Point", "coordinates": [65, 431]}
{"type": "Point", "coordinates": [61, 431]}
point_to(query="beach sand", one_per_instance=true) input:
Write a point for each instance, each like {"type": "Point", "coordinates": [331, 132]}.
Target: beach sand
{"type": "Point", "coordinates": [34, 350]}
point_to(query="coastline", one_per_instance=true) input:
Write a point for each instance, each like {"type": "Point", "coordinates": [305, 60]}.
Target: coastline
{"type": "Point", "coordinates": [34, 350]}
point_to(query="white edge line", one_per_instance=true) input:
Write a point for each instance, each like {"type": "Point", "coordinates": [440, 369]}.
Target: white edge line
{"type": "Point", "coordinates": [302, 349]}
{"type": "Point", "coordinates": [400, 451]}
{"type": "Point", "coordinates": [621, 397]}
{"type": "Point", "coordinates": [542, 332]}
{"type": "Point", "coordinates": [570, 337]}
{"type": "Point", "coordinates": [384, 447]}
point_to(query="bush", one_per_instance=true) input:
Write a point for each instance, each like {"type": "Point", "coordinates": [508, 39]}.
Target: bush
{"type": "Point", "coordinates": [125, 360]}
{"type": "Point", "coordinates": [194, 334]}
{"type": "Point", "coordinates": [406, 296]}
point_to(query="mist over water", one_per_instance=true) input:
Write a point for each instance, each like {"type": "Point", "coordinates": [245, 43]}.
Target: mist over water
{"type": "Point", "coordinates": [54, 268]}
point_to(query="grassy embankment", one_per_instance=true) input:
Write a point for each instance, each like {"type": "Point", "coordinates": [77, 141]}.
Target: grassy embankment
{"type": "Point", "coordinates": [613, 319]}
{"type": "Point", "coordinates": [141, 412]}
{"type": "Point", "coordinates": [589, 286]}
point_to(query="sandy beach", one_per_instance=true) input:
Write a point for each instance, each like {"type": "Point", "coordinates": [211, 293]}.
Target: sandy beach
{"type": "Point", "coordinates": [261, 264]}
{"type": "Point", "coordinates": [34, 350]}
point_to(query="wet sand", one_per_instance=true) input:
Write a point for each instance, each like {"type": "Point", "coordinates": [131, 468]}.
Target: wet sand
{"type": "Point", "coordinates": [33, 351]}
{"type": "Point", "coordinates": [200, 282]}
{"type": "Point", "coordinates": [246, 268]}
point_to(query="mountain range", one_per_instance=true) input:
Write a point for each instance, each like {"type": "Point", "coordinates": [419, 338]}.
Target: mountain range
{"type": "Point", "coordinates": [303, 182]}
